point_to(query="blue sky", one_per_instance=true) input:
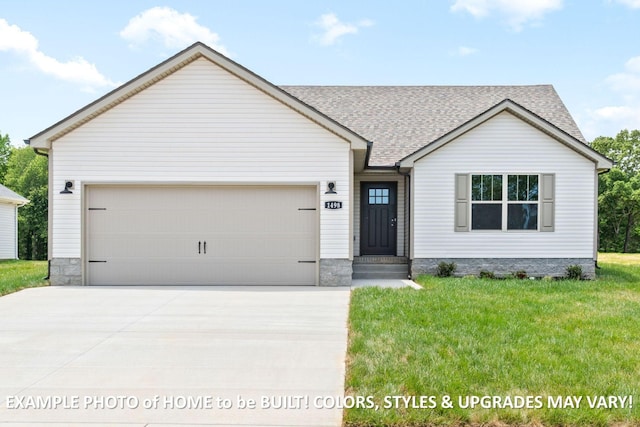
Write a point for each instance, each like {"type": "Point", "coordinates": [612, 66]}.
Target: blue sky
{"type": "Point", "coordinates": [57, 56]}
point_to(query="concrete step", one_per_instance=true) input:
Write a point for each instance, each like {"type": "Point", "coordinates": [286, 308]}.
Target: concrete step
{"type": "Point", "coordinates": [379, 276]}
{"type": "Point", "coordinates": [380, 271]}
{"type": "Point", "coordinates": [382, 268]}
{"type": "Point", "coordinates": [380, 259]}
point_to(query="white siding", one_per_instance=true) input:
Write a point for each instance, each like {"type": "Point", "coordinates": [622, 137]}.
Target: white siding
{"type": "Point", "coordinates": [400, 206]}
{"type": "Point", "coordinates": [8, 226]}
{"type": "Point", "coordinates": [200, 125]}
{"type": "Point", "coordinates": [503, 144]}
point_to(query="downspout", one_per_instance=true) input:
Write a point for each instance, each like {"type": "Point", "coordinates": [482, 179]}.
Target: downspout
{"type": "Point", "coordinates": [407, 213]}
{"type": "Point", "coordinates": [597, 216]}
{"type": "Point", "coordinates": [28, 142]}
{"type": "Point", "coordinates": [15, 221]}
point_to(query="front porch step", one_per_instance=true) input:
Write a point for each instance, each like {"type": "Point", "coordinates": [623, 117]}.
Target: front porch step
{"type": "Point", "coordinates": [380, 271]}
{"type": "Point", "coordinates": [380, 259]}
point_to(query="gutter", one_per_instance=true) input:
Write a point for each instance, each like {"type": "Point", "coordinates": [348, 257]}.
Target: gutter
{"type": "Point", "coordinates": [40, 153]}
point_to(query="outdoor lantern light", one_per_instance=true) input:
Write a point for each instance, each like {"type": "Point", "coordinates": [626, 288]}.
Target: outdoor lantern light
{"type": "Point", "coordinates": [331, 188]}
{"type": "Point", "coordinates": [68, 185]}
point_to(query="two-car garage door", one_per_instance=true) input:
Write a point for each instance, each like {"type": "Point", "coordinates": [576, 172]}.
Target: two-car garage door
{"type": "Point", "coordinates": [224, 235]}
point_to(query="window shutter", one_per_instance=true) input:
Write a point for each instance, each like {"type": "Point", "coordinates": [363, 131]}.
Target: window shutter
{"type": "Point", "coordinates": [462, 203]}
{"type": "Point", "coordinates": [547, 202]}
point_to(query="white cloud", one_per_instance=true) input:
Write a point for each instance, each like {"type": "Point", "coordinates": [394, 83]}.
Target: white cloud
{"type": "Point", "coordinates": [77, 70]}
{"type": "Point", "coordinates": [517, 13]}
{"type": "Point", "coordinates": [624, 115]}
{"type": "Point", "coordinates": [634, 4]}
{"type": "Point", "coordinates": [464, 51]}
{"type": "Point", "coordinates": [333, 28]}
{"type": "Point", "coordinates": [173, 29]}
{"type": "Point", "coordinates": [633, 65]}
{"type": "Point", "coordinates": [621, 113]}
{"type": "Point", "coordinates": [629, 80]}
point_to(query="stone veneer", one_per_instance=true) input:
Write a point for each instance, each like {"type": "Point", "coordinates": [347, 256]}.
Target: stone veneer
{"type": "Point", "coordinates": [65, 271]}
{"type": "Point", "coordinates": [68, 271]}
{"type": "Point", "coordinates": [335, 272]}
{"type": "Point", "coordinates": [501, 267]}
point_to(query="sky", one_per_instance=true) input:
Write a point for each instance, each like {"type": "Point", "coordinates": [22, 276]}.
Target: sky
{"type": "Point", "coordinates": [58, 56]}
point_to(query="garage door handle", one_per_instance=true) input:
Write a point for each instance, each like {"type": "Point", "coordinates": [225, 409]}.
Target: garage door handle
{"type": "Point", "coordinates": [205, 246]}
{"type": "Point", "coordinates": [199, 243]}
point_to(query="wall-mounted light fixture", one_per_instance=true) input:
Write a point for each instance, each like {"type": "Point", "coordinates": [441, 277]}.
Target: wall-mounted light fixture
{"type": "Point", "coordinates": [68, 185]}
{"type": "Point", "coordinates": [331, 188]}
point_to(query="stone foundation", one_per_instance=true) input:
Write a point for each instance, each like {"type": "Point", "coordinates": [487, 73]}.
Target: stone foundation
{"type": "Point", "coordinates": [502, 267]}
{"type": "Point", "coordinates": [65, 271]}
{"type": "Point", "coordinates": [335, 272]}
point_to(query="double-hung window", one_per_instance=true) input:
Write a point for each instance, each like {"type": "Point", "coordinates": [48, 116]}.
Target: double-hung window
{"type": "Point", "coordinates": [522, 202]}
{"type": "Point", "coordinates": [486, 202]}
{"type": "Point", "coordinates": [504, 202]}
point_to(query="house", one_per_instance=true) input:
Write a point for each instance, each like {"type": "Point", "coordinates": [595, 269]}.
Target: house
{"type": "Point", "coordinates": [9, 204]}
{"type": "Point", "coordinates": [199, 171]}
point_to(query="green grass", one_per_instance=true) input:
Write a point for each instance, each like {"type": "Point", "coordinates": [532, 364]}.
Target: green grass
{"type": "Point", "coordinates": [616, 258]}
{"type": "Point", "coordinates": [478, 337]}
{"type": "Point", "coordinates": [16, 275]}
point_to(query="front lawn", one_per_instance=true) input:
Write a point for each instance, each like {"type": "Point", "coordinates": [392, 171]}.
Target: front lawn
{"type": "Point", "coordinates": [16, 275]}
{"type": "Point", "coordinates": [510, 340]}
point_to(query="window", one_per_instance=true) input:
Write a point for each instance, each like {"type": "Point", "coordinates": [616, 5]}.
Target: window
{"type": "Point", "coordinates": [521, 213]}
{"type": "Point", "coordinates": [504, 202]}
{"type": "Point", "coordinates": [490, 210]}
{"type": "Point", "coordinates": [486, 209]}
{"type": "Point", "coordinates": [378, 196]}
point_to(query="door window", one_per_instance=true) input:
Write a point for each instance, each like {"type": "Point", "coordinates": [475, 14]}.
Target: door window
{"type": "Point", "coordinates": [378, 196]}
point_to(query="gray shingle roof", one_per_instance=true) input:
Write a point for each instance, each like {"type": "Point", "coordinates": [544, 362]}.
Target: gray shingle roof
{"type": "Point", "coordinates": [8, 195]}
{"type": "Point", "coordinates": [402, 119]}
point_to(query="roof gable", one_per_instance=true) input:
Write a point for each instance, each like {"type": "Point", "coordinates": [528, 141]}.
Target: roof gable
{"type": "Point", "coordinates": [198, 50]}
{"type": "Point", "coordinates": [602, 163]}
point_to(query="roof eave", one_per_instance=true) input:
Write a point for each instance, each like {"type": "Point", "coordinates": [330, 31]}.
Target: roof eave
{"type": "Point", "coordinates": [18, 202]}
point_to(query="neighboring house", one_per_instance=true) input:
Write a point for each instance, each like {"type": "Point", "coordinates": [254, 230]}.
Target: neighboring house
{"type": "Point", "coordinates": [201, 172]}
{"type": "Point", "coordinates": [9, 204]}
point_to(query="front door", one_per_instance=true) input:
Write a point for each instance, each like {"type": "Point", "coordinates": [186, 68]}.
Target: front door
{"type": "Point", "coordinates": [378, 222]}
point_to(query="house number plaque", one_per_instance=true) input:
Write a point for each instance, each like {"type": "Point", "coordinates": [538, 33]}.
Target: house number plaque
{"type": "Point", "coordinates": [333, 205]}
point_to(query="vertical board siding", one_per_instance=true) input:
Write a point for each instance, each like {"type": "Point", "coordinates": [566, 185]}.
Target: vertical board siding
{"type": "Point", "coordinates": [504, 144]}
{"type": "Point", "coordinates": [7, 231]}
{"type": "Point", "coordinates": [400, 206]}
{"type": "Point", "coordinates": [200, 125]}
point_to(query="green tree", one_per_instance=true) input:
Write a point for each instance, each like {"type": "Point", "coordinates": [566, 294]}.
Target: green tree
{"type": "Point", "coordinates": [27, 175]}
{"type": "Point", "coordinates": [624, 150]}
{"type": "Point", "coordinates": [5, 152]}
{"type": "Point", "coordinates": [619, 192]}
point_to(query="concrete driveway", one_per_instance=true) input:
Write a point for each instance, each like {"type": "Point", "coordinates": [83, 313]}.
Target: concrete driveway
{"type": "Point", "coordinates": [192, 355]}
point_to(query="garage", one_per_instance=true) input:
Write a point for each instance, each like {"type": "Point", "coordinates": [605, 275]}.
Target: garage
{"type": "Point", "coordinates": [201, 235]}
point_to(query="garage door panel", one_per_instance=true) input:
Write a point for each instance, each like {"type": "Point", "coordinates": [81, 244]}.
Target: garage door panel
{"type": "Point", "coordinates": [141, 246]}
{"type": "Point", "coordinates": [128, 271]}
{"type": "Point", "coordinates": [253, 235]}
{"type": "Point", "coordinates": [170, 272]}
{"type": "Point", "coordinates": [267, 246]}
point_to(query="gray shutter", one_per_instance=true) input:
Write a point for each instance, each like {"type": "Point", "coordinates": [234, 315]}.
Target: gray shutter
{"type": "Point", "coordinates": [462, 202]}
{"type": "Point", "coordinates": [547, 202]}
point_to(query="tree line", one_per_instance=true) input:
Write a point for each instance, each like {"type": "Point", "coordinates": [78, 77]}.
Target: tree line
{"type": "Point", "coordinates": [24, 172]}
{"type": "Point", "coordinates": [619, 193]}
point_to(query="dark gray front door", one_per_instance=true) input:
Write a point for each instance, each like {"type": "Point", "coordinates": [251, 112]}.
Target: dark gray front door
{"type": "Point", "coordinates": [378, 218]}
